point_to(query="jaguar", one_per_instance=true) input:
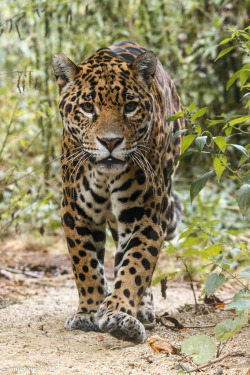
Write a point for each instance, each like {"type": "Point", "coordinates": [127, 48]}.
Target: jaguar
{"type": "Point", "coordinates": [118, 161]}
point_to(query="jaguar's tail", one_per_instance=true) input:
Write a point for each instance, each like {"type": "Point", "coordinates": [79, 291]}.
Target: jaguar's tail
{"type": "Point", "coordinates": [176, 209]}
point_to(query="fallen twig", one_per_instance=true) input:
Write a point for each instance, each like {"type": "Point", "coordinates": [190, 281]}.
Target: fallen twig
{"type": "Point", "coordinates": [177, 324]}
{"type": "Point", "coordinates": [26, 273]}
{"type": "Point", "coordinates": [227, 354]}
{"type": "Point", "coordinates": [206, 326]}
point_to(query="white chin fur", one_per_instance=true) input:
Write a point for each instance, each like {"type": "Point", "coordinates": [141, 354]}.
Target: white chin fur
{"type": "Point", "coordinates": [114, 168]}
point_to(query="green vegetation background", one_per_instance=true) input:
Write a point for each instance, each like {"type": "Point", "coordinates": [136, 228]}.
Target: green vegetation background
{"type": "Point", "coordinates": [185, 36]}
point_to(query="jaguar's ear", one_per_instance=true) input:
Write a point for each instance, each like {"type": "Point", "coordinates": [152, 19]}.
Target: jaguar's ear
{"type": "Point", "coordinates": [145, 65]}
{"type": "Point", "coordinates": [64, 69]}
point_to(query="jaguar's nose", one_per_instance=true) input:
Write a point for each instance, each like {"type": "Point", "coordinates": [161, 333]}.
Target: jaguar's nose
{"type": "Point", "coordinates": [110, 143]}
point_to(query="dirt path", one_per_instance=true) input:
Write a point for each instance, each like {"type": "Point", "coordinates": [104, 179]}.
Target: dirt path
{"type": "Point", "coordinates": [33, 339]}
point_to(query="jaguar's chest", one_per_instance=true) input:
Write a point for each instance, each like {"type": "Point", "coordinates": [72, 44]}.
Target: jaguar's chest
{"type": "Point", "coordinates": [103, 197]}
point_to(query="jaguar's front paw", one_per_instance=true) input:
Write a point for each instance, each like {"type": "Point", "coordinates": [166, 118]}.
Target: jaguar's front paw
{"type": "Point", "coordinates": [83, 322]}
{"type": "Point", "coordinates": [121, 325]}
{"type": "Point", "coordinates": [145, 316]}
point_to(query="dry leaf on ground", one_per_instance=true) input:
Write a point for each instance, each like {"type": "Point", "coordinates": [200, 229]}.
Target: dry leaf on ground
{"type": "Point", "coordinates": [158, 344]}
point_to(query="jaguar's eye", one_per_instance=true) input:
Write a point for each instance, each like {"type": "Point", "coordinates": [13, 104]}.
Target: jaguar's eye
{"type": "Point", "coordinates": [88, 107]}
{"type": "Point", "coordinates": [130, 107]}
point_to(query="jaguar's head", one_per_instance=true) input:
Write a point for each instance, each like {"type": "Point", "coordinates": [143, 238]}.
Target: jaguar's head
{"type": "Point", "coordinates": [106, 105]}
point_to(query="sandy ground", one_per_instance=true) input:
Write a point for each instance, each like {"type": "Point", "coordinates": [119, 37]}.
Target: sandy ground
{"type": "Point", "coordinates": [33, 311]}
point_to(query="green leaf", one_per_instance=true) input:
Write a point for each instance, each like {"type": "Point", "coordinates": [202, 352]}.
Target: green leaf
{"type": "Point", "coordinates": [241, 301]}
{"type": "Point", "coordinates": [186, 142]}
{"type": "Point", "coordinates": [243, 198]}
{"type": "Point", "coordinates": [239, 120]}
{"type": "Point", "coordinates": [199, 113]}
{"type": "Point", "coordinates": [248, 104]}
{"type": "Point", "coordinates": [213, 282]}
{"type": "Point", "coordinates": [202, 346]}
{"type": "Point", "coordinates": [227, 328]}
{"type": "Point", "coordinates": [199, 184]}
{"type": "Point", "coordinates": [224, 52]}
{"type": "Point", "coordinates": [176, 116]}
{"type": "Point", "coordinates": [224, 261]}
{"type": "Point", "coordinates": [225, 41]}
{"type": "Point", "coordinates": [214, 122]}
{"type": "Point", "coordinates": [176, 134]}
{"type": "Point", "coordinates": [228, 131]}
{"type": "Point", "coordinates": [246, 178]}
{"type": "Point", "coordinates": [192, 106]}
{"type": "Point", "coordinates": [243, 77]}
{"type": "Point", "coordinates": [200, 142]}
{"type": "Point", "coordinates": [211, 251]}
{"type": "Point", "coordinates": [221, 143]}
{"type": "Point", "coordinates": [219, 166]}
{"type": "Point", "coordinates": [186, 233]}
{"type": "Point", "coordinates": [233, 79]}
{"type": "Point", "coordinates": [240, 148]}
{"type": "Point", "coordinates": [246, 273]}
{"type": "Point", "coordinates": [190, 242]}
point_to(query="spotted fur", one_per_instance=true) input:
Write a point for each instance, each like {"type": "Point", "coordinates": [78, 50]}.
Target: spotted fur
{"type": "Point", "coordinates": [118, 161]}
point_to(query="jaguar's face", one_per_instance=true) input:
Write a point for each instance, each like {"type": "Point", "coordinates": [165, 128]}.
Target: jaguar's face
{"type": "Point", "coordinates": [107, 107]}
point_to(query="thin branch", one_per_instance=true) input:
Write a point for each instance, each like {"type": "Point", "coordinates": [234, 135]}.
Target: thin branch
{"type": "Point", "coordinates": [192, 286]}
{"type": "Point", "coordinates": [227, 354]}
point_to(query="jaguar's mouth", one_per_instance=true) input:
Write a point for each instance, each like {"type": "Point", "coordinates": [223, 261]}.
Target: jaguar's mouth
{"type": "Point", "coordinates": [111, 164]}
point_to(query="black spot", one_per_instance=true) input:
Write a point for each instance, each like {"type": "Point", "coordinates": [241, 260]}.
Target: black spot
{"type": "Point", "coordinates": [135, 195]}
{"type": "Point", "coordinates": [145, 264]}
{"type": "Point", "coordinates": [114, 234]}
{"type": "Point", "coordinates": [94, 263]}
{"type": "Point", "coordinates": [150, 233]}
{"type": "Point", "coordinates": [71, 243]}
{"type": "Point", "coordinates": [140, 177]}
{"type": "Point", "coordinates": [118, 258]}
{"type": "Point", "coordinates": [68, 108]}
{"type": "Point", "coordinates": [132, 243]}
{"type": "Point", "coordinates": [89, 301]}
{"type": "Point", "coordinates": [83, 231]}
{"type": "Point", "coordinates": [118, 284]}
{"type": "Point", "coordinates": [82, 277]}
{"type": "Point", "coordinates": [83, 292]}
{"type": "Point", "coordinates": [125, 263]}
{"type": "Point", "coordinates": [140, 291]}
{"type": "Point", "coordinates": [124, 186]}
{"type": "Point", "coordinates": [148, 195]}
{"type": "Point", "coordinates": [86, 183]}
{"type": "Point", "coordinates": [164, 204]}
{"type": "Point", "coordinates": [76, 259]}
{"type": "Point", "coordinates": [137, 255]}
{"type": "Point", "coordinates": [132, 270]}
{"type": "Point", "coordinates": [100, 290]}
{"type": "Point", "coordinates": [153, 250]}
{"type": "Point", "coordinates": [127, 57]}
{"type": "Point", "coordinates": [89, 246]}
{"type": "Point", "coordinates": [69, 220]}
{"type": "Point", "coordinates": [131, 303]}
{"type": "Point", "coordinates": [98, 198]}
{"type": "Point", "coordinates": [164, 226]}
{"type": "Point", "coordinates": [138, 280]}
{"type": "Point", "coordinates": [85, 269]}
{"type": "Point", "coordinates": [90, 289]}
{"type": "Point", "coordinates": [82, 253]}
{"type": "Point", "coordinates": [131, 214]}
{"type": "Point", "coordinates": [126, 293]}
{"type": "Point", "coordinates": [98, 236]}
